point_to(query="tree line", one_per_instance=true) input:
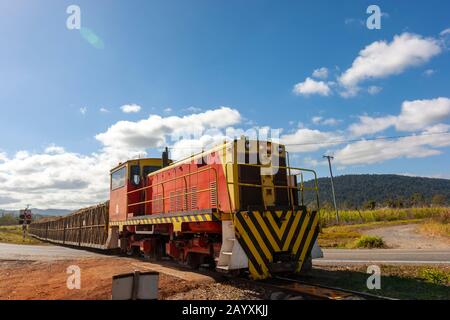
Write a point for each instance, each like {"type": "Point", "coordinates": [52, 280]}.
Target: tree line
{"type": "Point", "coordinates": [370, 191]}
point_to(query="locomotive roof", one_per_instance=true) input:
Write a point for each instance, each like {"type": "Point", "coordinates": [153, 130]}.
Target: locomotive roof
{"type": "Point", "coordinates": [137, 159]}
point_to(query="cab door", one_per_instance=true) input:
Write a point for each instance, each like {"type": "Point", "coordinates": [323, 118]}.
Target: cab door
{"type": "Point", "coordinates": [118, 194]}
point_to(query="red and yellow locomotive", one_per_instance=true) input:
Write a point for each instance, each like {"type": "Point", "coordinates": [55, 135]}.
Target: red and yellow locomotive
{"type": "Point", "coordinates": [238, 206]}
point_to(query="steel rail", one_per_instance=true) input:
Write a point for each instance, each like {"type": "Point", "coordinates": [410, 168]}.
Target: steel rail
{"type": "Point", "coordinates": [328, 292]}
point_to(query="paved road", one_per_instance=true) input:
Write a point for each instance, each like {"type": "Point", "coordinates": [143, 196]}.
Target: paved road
{"type": "Point", "coordinates": [331, 256]}
{"type": "Point", "coordinates": [383, 256]}
{"type": "Point", "coordinates": [41, 253]}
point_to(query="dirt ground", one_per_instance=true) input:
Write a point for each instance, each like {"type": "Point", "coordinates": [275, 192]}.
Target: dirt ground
{"type": "Point", "coordinates": [408, 237]}
{"type": "Point", "coordinates": [44, 280]}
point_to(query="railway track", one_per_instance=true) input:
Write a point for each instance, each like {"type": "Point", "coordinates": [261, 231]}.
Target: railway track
{"type": "Point", "coordinates": [294, 289]}
{"type": "Point", "coordinates": [322, 292]}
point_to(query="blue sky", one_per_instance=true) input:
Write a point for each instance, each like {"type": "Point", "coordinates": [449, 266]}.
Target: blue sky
{"type": "Point", "coordinates": [169, 56]}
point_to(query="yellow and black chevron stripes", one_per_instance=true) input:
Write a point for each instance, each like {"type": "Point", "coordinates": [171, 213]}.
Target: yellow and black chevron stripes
{"type": "Point", "coordinates": [265, 233]}
{"type": "Point", "coordinates": [167, 218]}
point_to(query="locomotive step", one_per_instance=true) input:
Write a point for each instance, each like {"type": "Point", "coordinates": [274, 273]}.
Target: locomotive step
{"type": "Point", "coordinates": [226, 268]}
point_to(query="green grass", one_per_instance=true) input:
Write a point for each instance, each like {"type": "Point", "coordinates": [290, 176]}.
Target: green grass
{"type": "Point", "coordinates": [353, 223]}
{"type": "Point", "coordinates": [434, 275]}
{"type": "Point", "coordinates": [369, 242]}
{"type": "Point", "coordinates": [13, 234]}
{"type": "Point", "coordinates": [402, 282]}
{"type": "Point", "coordinates": [327, 218]}
{"type": "Point", "coordinates": [346, 236]}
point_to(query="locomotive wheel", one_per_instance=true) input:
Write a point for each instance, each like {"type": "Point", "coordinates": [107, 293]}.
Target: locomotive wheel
{"type": "Point", "coordinates": [132, 251]}
{"type": "Point", "coordinates": [193, 260]}
{"type": "Point", "coordinates": [307, 265]}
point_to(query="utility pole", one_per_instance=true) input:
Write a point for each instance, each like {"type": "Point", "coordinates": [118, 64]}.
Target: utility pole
{"type": "Point", "coordinates": [329, 158]}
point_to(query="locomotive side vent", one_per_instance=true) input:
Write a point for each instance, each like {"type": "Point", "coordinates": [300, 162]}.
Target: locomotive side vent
{"type": "Point", "coordinates": [213, 193]}
{"type": "Point", "coordinates": [178, 200]}
{"type": "Point", "coordinates": [172, 201]}
{"type": "Point", "coordinates": [194, 198]}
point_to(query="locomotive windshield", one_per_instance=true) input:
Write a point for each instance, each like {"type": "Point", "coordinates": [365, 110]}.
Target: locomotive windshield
{"type": "Point", "coordinates": [118, 178]}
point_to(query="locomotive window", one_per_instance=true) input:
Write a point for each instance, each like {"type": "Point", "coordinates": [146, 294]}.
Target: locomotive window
{"type": "Point", "coordinates": [135, 171]}
{"type": "Point", "coordinates": [118, 178]}
{"type": "Point", "coordinates": [150, 169]}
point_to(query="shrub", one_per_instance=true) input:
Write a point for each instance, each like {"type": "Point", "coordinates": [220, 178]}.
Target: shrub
{"type": "Point", "coordinates": [435, 276]}
{"type": "Point", "coordinates": [370, 242]}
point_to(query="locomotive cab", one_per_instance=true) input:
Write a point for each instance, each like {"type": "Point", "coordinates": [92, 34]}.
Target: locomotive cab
{"type": "Point", "coordinates": [126, 177]}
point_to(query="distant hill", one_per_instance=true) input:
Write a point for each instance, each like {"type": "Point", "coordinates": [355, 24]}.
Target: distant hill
{"type": "Point", "coordinates": [51, 212]}
{"type": "Point", "coordinates": [41, 212]}
{"type": "Point", "coordinates": [11, 217]}
{"type": "Point", "coordinates": [384, 189]}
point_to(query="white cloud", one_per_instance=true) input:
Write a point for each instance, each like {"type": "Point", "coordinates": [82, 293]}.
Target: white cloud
{"type": "Point", "coordinates": [373, 90]}
{"type": "Point", "coordinates": [152, 132]}
{"type": "Point", "coordinates": [53, 149]}
{"type": "Point", "coordinates": [369, 125]}
{"type": "Point", "coordinates": [130, 108]}
{"type": "Point", "coordinates": [445, 32]}
{"type": "Point", "coordinates": [58, 178]}
{"type": "Point", "coordinates": [310, 87]}
{"type": "Point", "coordinates": [306, 140]}
{"type": "Point", "coordinates": [429, 72]}
{"type": "Point", "coordinates": [327, 122]}
{"type": "Point", "coordinates": [376, 151]}
{"type": "Point", "coordinates": [381, 59]}
{"type": "Point", "coordinates": [193, 109]}
{"type": "Point", "coordinates": [414, 115]}
{"type": "Point", "coordinates": [168, 110]}
{"type": "Point", "coordinates": [418, 114]}
{"type": "Point", "coordinates": [83, 110]}
{"type": "Point", "coordinates": [104, 110]}
{"type": "Point", "coordinates": [316, 120]}
{"type": "Point", "coordinates": [321, 73]}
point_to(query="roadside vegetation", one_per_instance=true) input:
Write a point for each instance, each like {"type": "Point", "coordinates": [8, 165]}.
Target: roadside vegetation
{"type": "Point", "coordinates": [401, 282]}
{"type": "Point", "coordinates": [433, 221]}
{"type": "Point", "coordinates": [8, 219]}
{"type": "Point", "coordinates": [13, 234]}
{"type": "Point", "coordinates": [438, 225]}
{"type": "Point", "coordinates": [327, 215]}
{"type": "Point", "coordinates": [346, 236]}
{"type": "Point", "coordinates": [369, 242]}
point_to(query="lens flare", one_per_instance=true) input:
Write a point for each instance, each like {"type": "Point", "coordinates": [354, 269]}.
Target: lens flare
{"type": "Point", "coordinates": [92, 38]}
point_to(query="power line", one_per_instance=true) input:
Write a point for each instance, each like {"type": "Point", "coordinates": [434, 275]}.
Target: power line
{"type": "Point", "coordinates": [367, 139]}
{"type": "Point", "coordinates": [343, 140]}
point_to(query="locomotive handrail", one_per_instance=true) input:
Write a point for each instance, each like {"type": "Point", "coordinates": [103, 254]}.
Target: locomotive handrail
{"type": "Point", "coordinates": [301, 188]}
{"type": "Point", "coordinates": [216, 188]}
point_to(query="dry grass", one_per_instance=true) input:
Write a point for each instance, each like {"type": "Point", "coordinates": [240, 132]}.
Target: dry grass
{"type": "Point", "coordinates": [346, 236]}
{"type": "Point", "coordinates": [437, 226]}
{"type": "Point", "coordinates": [327, 218]}
{"type": "Point", "coordinates": [403, 282]}
{"type": "Point", "coordinates": [434, 222]}
{"type": "Point", "coordinates": [369, 242]}
{"type": "Point", "coordinates": [13, 234]}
